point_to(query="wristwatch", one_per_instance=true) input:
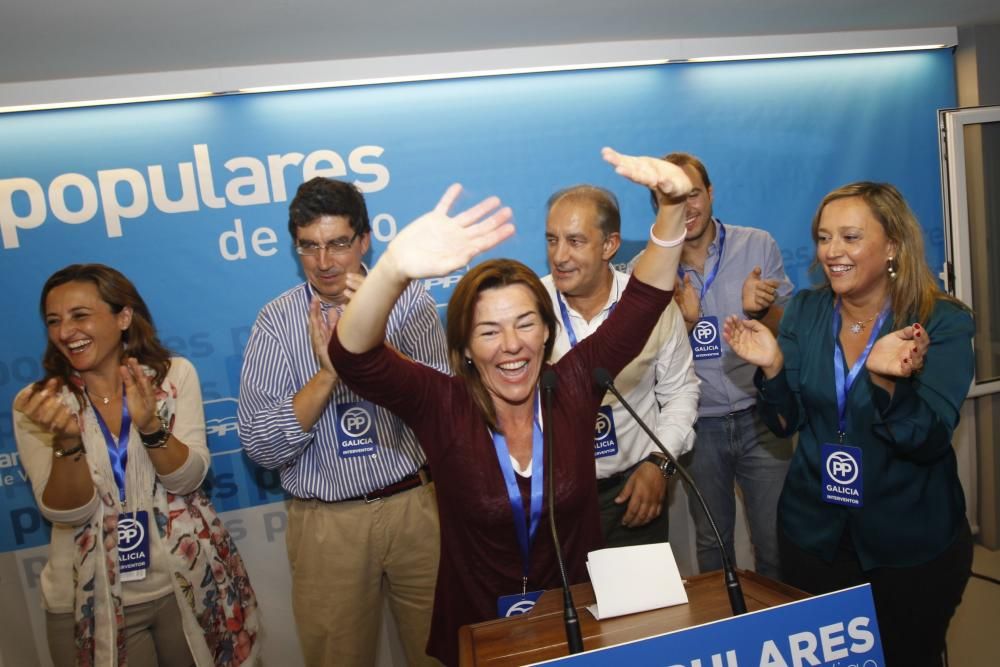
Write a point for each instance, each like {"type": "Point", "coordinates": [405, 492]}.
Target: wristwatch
{"type": "Point", "coordinates": [757, 314]}
{"type": "Point", "coordinates": [157, 438]}
{"type": "Point", "coordinates": [60, 453]}
{"type": "Point", "coordinates": [666, 466]}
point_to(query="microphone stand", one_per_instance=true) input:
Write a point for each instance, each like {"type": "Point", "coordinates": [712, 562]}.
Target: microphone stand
{"type": "Point", "coordinates": [733, 588]}
{"type": "Point", "coordinates": [574, 638]}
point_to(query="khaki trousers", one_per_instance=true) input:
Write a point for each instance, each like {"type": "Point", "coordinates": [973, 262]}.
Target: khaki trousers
{"type": "Point", "coordinates": [345, 556]}
{"type": "Point", "coordinates": [154, 636]}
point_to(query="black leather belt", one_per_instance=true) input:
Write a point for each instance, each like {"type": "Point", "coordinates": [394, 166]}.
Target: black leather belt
{"type": "Point", "coordinates": [419, 478]}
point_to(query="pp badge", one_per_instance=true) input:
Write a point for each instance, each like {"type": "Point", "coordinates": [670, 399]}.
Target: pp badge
{"type": "Point", "coordinates": [704, 338]}
{"type": "Point", "coordinates": [356, 433]}
{"type": "Point", "coordinates": [515, 605]}
{"type": "Point", "coordinates": [133, 546]}
{"type": "Point", "coordinates": [605, 438]}
{"type": "Point", "coordinates": [842, 479]}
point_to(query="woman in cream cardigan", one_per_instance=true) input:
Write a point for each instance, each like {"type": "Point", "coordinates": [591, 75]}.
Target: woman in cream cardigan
{"type": "Point", "coordinates": [140, 567]}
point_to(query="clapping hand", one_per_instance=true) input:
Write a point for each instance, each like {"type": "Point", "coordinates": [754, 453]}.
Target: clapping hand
{"type": "Point", "coordinates": [688, 301]}
{"type": "Point", "coordinates": [437, 243]}
{"type": "Point", "coordinates": [754, 343]}
{"type": "Point", "coordinates": [758, 293]}
{"type": "Point", "coordinates": [42, 405]}
{"type": "Point", "coordinates": [899, 353]}
{"type": "Point", "coordinates": [321, 324]}
{"type": "Point", "coordinates": [140, 395]}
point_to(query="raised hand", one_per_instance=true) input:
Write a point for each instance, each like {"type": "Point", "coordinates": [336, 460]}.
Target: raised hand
{"type": "Point", "coordinates": [666, 179]}
{"type": "Point", "coordinates": [42, 405]}
{"type": "Point", "coordinates": [140, 395]}
{"type": "Point", "coordinates": [436, 243]}
{"type": "Point", "coordinates": [758, 293]}
{"type": "Point", "coordinates": [899, 353]}
{"type": "Point", "coordinates": [754, 343]}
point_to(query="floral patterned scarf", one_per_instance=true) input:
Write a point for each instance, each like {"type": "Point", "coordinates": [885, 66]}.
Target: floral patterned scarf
{"type": "Point", "coordinates": [217, 603]}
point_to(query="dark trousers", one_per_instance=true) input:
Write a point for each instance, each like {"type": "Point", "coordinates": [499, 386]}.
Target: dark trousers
{"type": "Point", "coordinates": [914, 604]}
{"type": "Point", "coordinates": [617, 535]}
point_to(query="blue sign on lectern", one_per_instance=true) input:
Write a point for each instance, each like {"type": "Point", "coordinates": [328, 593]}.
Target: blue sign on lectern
{"type": "Point", "coordinates": [833, 630]}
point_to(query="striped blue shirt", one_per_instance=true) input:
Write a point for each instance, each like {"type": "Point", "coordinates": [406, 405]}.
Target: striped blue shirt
{"type": "Point", "coordinates": [279, 361]}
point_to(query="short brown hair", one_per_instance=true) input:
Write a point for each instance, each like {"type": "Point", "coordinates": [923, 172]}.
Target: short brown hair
{"type": "Point", "coordinates": [461, 313]}
{"type": "Point", "coordinates": [609, 217]}
{"type": "Point", "coordinates": [683, 160]}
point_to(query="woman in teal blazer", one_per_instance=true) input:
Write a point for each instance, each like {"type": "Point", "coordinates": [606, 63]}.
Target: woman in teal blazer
{"type": "Point", "coordinates": [871, 369]}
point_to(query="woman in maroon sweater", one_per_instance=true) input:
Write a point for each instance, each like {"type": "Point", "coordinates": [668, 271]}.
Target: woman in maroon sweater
{"type": "Point", "coordinates": [482, 428]}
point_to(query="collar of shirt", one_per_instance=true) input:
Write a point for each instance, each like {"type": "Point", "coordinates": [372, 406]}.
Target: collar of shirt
{"type": "Point", "coordinates": [618, 280]}
{"type": "Point", "coordinates": [713, 250]}
{"type": "Point", "coordinates": [325, 305]}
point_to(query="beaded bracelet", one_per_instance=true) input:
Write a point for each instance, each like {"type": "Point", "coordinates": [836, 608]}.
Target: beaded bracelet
{"type": "Point", "coordinates": [667, 244]}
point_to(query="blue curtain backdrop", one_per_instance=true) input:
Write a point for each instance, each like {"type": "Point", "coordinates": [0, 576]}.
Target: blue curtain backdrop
{"type": "Point", "coordinates": [91, 185]}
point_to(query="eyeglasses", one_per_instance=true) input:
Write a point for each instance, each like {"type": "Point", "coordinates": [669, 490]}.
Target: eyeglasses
{"type": "Point", "coordinates": [334, 247]}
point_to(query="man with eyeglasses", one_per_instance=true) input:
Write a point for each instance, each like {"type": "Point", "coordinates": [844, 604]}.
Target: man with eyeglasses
{"type": "Point", "coordinates": [363, 518]}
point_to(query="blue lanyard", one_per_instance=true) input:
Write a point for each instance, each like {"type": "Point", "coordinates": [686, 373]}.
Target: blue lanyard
{"type": "Point", "coordinates": [117, 451]}
{"type": "Point", "coordinates": [567, 323]}
{"type": "Point", "coordinates": [715, 269]}
{"type": "Point", "coordinates": [844, 386]}
{"type": "Point", "coordinates": [525, 535]}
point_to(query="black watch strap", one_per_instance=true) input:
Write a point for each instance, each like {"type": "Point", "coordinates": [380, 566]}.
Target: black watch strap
{"type": "Point", "coordinates": [666, 466]}
{"type": "Point", "coordinates": [157, 438]}
{"type": "Point", "coordinates": [61, 453]}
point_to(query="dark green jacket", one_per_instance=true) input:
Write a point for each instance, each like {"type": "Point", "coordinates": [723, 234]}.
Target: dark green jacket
{"type": "Point", "coordinates": [913, 501]}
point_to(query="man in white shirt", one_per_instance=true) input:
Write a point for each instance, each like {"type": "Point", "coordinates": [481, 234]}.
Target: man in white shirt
{"type": "Point", "coordinates": [582, 234]}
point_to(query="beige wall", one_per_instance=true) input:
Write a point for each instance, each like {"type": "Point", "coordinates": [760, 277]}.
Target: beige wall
{"type": "Point", "coordinates": [977, 62]}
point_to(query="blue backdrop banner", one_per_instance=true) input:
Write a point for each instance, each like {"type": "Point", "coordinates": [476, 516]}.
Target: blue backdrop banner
{"type": "Point", "coordinates": [189, 198]}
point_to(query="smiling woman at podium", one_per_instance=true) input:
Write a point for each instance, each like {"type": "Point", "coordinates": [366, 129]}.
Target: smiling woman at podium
{"type": "Point", "coordinates": [482, 429]}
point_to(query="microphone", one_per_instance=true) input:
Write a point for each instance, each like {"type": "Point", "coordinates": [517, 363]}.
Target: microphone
{"type": "Point", "coordinates": [736, 601]}
{"type": "Point", "coordinates": [574, 638]}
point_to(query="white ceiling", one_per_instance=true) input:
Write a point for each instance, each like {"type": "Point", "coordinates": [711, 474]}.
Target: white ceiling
{"type": "Point", "coordinates": [65, 39]}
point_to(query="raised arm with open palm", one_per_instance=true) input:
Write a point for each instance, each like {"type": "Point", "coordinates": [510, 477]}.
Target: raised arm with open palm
{"type": "Point", "coordinates": [434, 244]}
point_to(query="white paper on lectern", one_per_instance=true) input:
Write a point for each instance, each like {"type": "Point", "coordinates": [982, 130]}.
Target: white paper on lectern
{"type": "Point", "coordinates": [628, 580]}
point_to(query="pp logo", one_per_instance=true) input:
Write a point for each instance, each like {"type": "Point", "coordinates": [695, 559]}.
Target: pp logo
{"type": "Point", "coordinates": [130, 534]}
{"type": "Point", "coordinates": [221, 426]}
{"type": "Point", "coordinates": [842, 468]}
{"type": "Point", "coordinates": [602, 429]}
{"type": "Point", "coordinates": [705, 333]}
{"type": "Point", "coordinates": [355, 422]}
{"type": "Point", "coordinates": [522, 607]}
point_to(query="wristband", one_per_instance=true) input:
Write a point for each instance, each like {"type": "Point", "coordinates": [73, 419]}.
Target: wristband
{"type": "Point", "coordinates": [666, 244]}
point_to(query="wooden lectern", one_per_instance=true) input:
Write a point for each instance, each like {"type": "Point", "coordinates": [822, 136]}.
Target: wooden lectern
{"type": "Point", "coordinates": [540, 635]}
